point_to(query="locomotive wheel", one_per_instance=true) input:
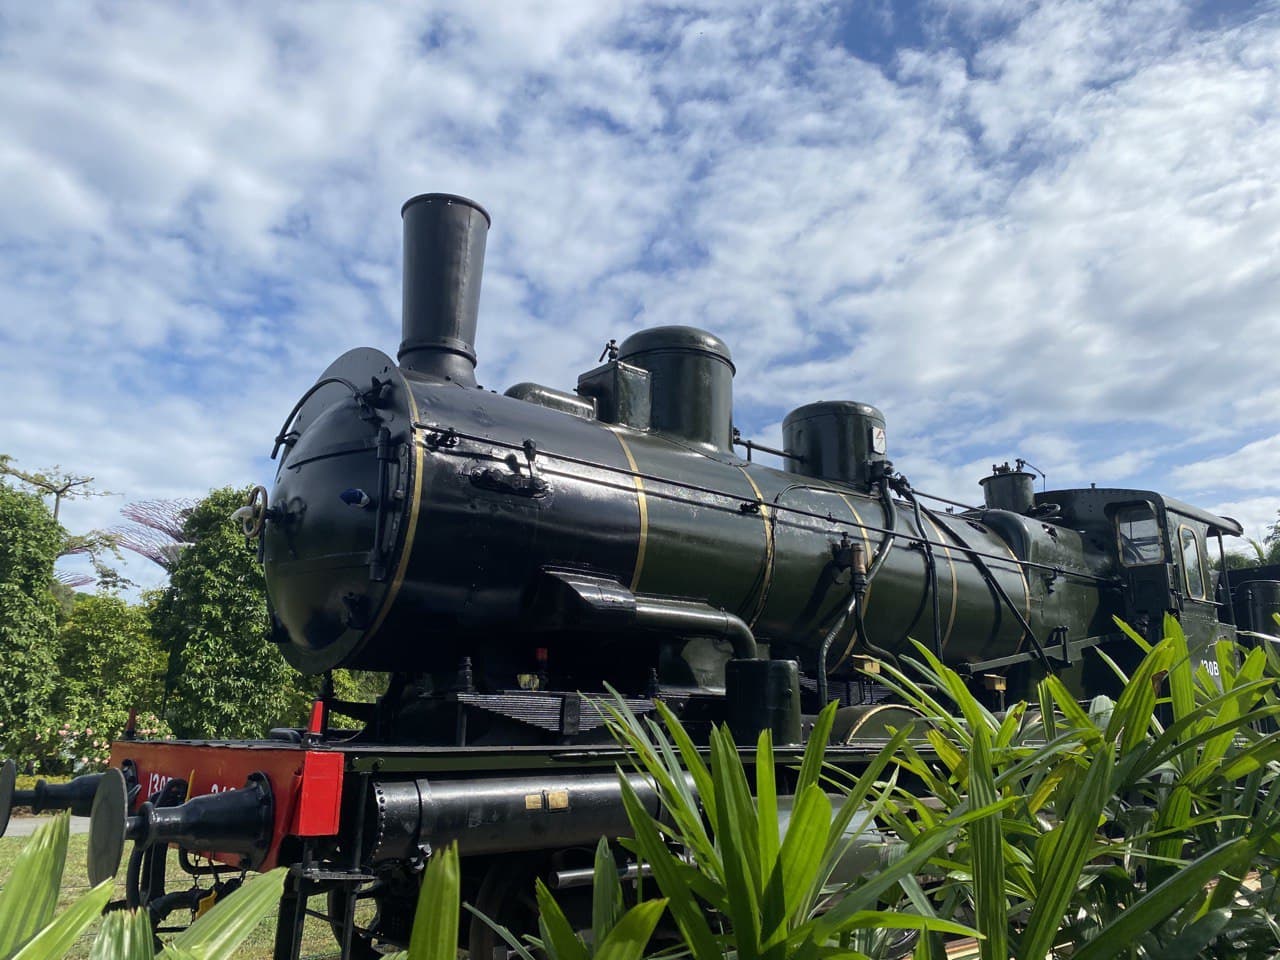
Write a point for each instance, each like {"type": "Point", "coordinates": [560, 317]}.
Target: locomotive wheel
{"type": "Point", "coordinates": [506, 896]}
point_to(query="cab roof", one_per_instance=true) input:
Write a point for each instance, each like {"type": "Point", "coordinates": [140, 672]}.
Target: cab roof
{"type": "Point", "coordinates": [1217, 524]}
{"type": "Point", "coordinates": [1100, 497]}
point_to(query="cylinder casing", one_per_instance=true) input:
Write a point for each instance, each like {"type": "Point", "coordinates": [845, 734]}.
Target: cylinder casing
{"type": "Point", "coordinates": [410, 818]}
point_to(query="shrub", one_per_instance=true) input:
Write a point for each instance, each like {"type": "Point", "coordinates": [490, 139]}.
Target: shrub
{"type": "Point", "coordinates": [1127, 833]}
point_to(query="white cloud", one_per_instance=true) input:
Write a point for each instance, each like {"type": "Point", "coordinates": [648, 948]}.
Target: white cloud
{"type": "Point", "coordinates": [1256, 514]}
{"type": "Point", "coordinates": [1058, 238]}
{"type": "Point", "coordinates": [1255, 466]}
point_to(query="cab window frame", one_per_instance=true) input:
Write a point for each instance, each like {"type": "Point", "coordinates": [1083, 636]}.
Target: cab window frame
{"type": "Point", "coordinates": [1185, 530]}
{"type": "Point", "coordinates": [1123, 542]}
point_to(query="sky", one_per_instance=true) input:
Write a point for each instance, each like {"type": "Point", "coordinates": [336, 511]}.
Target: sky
{"type": "Point", "coordinates": [1042, 230]}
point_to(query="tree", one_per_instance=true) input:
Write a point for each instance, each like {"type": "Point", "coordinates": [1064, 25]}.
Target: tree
{"type": "Point", "coordinates": [108, 663]}
{"type": "Point", "coordinates": [1272, 540]}
{"type": "Point", "coordinates": [30, 540]}
{"type": "Point", "coordinates": [55, 482]}
{"type": "Point", "coordinates": [96, 544]}
{"type": "Point", "coordinates": [225, 677]}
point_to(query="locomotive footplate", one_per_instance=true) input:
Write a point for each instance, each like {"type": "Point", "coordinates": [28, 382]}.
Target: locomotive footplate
{"type": "Point", "coordinates": [237, 804]}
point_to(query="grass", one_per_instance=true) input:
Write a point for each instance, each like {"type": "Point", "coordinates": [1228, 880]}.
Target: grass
{"type": "Point", "coordinates": [317, 941]}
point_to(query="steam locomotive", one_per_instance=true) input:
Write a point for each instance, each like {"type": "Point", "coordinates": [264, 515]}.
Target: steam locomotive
{"type": "Point", "coordinates": [502, 557]}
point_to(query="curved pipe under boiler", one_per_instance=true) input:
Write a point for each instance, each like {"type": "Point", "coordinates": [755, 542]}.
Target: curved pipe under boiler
{"type": "Point", "coordinates": [699, 619]}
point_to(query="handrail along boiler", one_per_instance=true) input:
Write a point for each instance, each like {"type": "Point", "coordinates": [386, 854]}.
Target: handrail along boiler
{"type": "Point", "coordinates": [501, 555]}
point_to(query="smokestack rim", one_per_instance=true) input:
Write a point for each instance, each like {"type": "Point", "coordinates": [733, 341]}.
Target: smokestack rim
{"type": "Point", "coordinates": [447, 198]}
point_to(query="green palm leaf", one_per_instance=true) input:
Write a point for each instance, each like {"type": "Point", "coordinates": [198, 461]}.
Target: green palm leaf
{"type": "Point", "coordinates": [56, 939]}
{"type": "Point", "coordinates": [217, 935]}
{"type": "Point", "coordinates": [125, 935]}
{"type": "Point", "coordinates": [1160, 903]}
{"type": "Point", "coordinates": [438, 904]}
{"type": "Point", "coordinates": [627, 940]}
{"type": "Point", "coordinates": [27, 901]}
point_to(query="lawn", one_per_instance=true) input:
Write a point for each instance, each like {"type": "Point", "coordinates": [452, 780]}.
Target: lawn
{"type": "Point", "coordinates": [317, 942]}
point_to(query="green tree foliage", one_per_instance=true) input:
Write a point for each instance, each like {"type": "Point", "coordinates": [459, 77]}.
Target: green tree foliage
{"type": "Point", "coordinates": [108, 662]}
{"type": "Point", "coordinates": [225, 677]}
{"type": "Point", "coordinates": [107, 657]}
{"type": "Point", "coordinates": [30, 540]}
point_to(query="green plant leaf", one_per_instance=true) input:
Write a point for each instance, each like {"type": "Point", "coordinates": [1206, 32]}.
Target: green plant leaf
{"type": "Point", "coordinates": [766, 803]}
{"type": "Point", "coordinates": [773, 900]}
{"type": "Point", "coordinates": [974, 713]}
{"type": "Point", "coordinates": [628, 939]}
{"type": "Point", "coordinates": [897, 920]}
{"type": "Point", "coordinates": [125, 935]}
{"type": "Point", "coordinates": [1071, 711]}
{"type": "Point", "coordinates": [1161, 902]}
{"type": "Point", "coordinates": [1047, 712]}
{"type": "Point", "coordinates": [1190, 943]}
{"type": "Point", "coordinates": [1132, 713]}
{"type": "Point", "coordinates": [1061, 856]}
{"type": "Point", "coordinates": [557, 932]}
{"type": "Point", "coordinates": [28, 900]}
{"type": "Point", "coordinates": [1173, 817]}
{"type": "Point", "coordinates": [218, 934]}
{"type": "Point", "coordinates": [519, 948]}
{"type": "Point", "coordinates": [669, 877]}
{"type": "Point", "coordinates": [1255, 757]}
{"type": "Point", "coordinates": [802, 848]}
{"type": "Point", "coordinates": [1133, 635]}
{"type": "Point", "coordinates": [1011, 723]}
{"type": "Point", "coordinates": [990, 906]}
{"type": "Point", "coordinates": [438, 901]}
{"type": "Point", "coordinates": [815, 750]}
{"type": "Point", "coordinates": [652, 755]}
{"type": "Point", "coordinates": [1182, 688]}
{"type": "Point", "coordinates": [693, 761]}
{"type": "Point", "coordinates": [921, 849]}
{"type": "Point", "coordinates": [736, 832]}
{"type": "Point", "coordinates": [606, 893]}
{"type": "Point", "coordinates": [56, 939]}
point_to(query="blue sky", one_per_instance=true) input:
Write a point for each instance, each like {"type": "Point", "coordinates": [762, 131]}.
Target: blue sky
{"type": "Point", "coordinates": [1046, 230]}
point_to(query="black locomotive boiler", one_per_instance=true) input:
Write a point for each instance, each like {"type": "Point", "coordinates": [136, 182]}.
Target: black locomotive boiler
{"type": "Point", "coordinates": [502, 557]}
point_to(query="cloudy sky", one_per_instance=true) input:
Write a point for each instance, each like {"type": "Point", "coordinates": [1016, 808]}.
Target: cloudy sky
{"type": "Point", "coordinates": [1047, 230]}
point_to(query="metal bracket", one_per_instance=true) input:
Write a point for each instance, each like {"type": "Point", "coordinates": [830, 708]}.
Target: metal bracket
{"type": "Point", "coordinates": [437, 437]}
{"type": "Point", "coordinates": [516, 484]}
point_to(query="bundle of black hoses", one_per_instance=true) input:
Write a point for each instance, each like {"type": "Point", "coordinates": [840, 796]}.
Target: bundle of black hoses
{"type": "Point", "coordinates": [854, 607]}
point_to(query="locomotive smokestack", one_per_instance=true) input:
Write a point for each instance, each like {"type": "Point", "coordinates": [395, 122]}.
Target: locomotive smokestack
{"type": "Point", "coordinates": [444, 239]}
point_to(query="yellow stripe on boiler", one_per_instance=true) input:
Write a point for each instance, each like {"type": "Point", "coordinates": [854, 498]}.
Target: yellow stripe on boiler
{"type": "Point", "coordinates": [767, 581]}
{"type": "Point", "coordinates": [642, 505]}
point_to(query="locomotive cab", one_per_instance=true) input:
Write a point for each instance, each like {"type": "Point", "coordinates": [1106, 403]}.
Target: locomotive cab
{"type": "Point", "coordinates": [1162, 552]}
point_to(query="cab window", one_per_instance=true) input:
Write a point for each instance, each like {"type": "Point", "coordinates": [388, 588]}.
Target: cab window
{"type": "Point", "coordinates": [1138, 534]}
{"type": "Point", "coordinates": [1192, 570]}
